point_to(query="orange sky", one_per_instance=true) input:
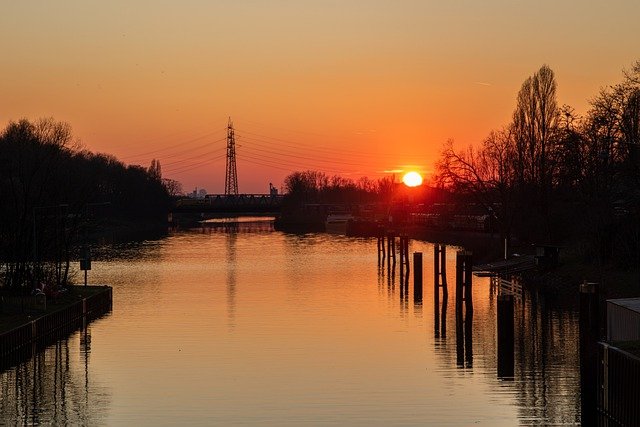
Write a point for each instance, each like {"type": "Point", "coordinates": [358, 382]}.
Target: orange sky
{"type": "Point", "coordinates": [349, 87]}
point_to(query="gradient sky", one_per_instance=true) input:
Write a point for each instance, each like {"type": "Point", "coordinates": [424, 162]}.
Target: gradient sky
{"type": "Point", "coordinates": [349, 87]}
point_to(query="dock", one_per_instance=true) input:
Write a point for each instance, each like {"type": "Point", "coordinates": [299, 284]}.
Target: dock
{"type": "Point", "coordinates": [515, 265]}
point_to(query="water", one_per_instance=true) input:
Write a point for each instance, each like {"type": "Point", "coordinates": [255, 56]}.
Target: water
{"type": "Point", "coordinates": [241, 325]}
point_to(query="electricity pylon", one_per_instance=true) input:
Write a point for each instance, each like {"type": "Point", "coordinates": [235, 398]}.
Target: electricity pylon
{"type": "Point", "coordinates": [231, 177]}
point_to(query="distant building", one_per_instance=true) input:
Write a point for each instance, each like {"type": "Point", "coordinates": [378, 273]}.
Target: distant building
{"type": "Point", "coordinates": [197, 194]}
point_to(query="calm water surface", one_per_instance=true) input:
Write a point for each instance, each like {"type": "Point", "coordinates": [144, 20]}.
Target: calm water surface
{"type": "Point", "coordinates": [241, 325]}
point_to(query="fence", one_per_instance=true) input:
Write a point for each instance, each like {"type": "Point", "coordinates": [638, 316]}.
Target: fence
{"type": "Point", "coordinates": [618, 386]}
{"type": "Point", "coordinates": [508, 287]}
{"type": "Point", "coordinates": [23, 341]}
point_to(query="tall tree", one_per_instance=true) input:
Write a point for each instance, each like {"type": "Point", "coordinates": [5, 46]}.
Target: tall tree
{"type": "Point", "coordinates": [155, 170]}
{"type": "Point", "coordinates": [534, 123]}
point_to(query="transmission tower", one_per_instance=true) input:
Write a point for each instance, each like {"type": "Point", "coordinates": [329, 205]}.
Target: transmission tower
{"type": "Point", "coordinates": [231, 178]}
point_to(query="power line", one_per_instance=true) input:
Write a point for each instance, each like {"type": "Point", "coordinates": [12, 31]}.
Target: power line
{"type": "Point", "coordinates": [314, 159]}
{"type": "Point", "coordinates": [296, 145]}
{"type": "Point", "coordinates": [199, 156]}
{"type": "Point", "coordinates": [185, 168]}
{"type": "Point", "coordinates": [174, 146]}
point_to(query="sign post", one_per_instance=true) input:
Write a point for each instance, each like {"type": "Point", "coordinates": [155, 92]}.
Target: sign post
{"type": "Point", "coordinates": [85, 263]}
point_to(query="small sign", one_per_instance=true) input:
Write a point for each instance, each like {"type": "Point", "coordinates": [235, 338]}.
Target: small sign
{"type": "Point", "coordinates": [85, 264]}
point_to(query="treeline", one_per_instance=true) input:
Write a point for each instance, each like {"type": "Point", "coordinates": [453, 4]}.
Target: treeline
{"type": "Point", "coordinates": [552, 175]}
{"type": "Point", "coordinates": [317, 187]}
{"type": "Point", "coordinates": [50, 189]}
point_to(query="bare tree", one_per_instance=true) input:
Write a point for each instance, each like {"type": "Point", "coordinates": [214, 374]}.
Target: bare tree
{"type": "Point", "coordinates": [173, 187]}
{"type": "Point", "coordinates": [487, 174]}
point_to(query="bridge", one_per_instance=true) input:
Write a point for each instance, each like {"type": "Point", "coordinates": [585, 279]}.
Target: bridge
{"type": "Point", "coordinates": [231, 203]}
{"type": "Point", "coordinates": [191, 212]}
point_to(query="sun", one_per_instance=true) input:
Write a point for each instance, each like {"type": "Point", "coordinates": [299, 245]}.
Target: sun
{"type": "Point", "coordinates": [412, 179]}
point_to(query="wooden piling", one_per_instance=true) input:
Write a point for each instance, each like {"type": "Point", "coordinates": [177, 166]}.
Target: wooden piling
{"type": "Point", "coordinates": [381, 250]}
{"type": "Point", "coordinates": [439, 273]}
{"type": "Point", "coordinates": [389, 251]}
{"type": "Point", "coordinates": [436, 278]}
{"type": "Point", "coordinates": [505, 336]}
{"type": "Point", "coordinates": [436, 321]}
{"type": "Point", "coordinates": [417, 277]}
{"type": "Point", "coordinates": [404, 285]}
{"type": "Point", "coordinates": [392, 252]}
{"type": "Point", "coordinates": [443, 317]}
{"type": "Point", "coordinates": [459, 281]}
{"type": "Point", "coordinates": [405, 250]}
{"type": "Point", "coordinates": [464, 280]}
{"type": "Point", "coordinates": [464, 339]}
{"type": "Point", "coordinates": [459, 338]}
{"type": "Point", "coordinates": [468, 339]}
{"type": "Point", "coordinates": [468, 280]}
{"type": "Point", "coordinates": [589, 336]}
{"type": "Point", "coordinates": [443, 270]}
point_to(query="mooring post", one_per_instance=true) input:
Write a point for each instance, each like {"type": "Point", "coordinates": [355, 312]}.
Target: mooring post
{"type": "Point", "coordinates": [436, 289]}
{"type": "Point", "coordinates": [404, 283]}
{"type": "Point", "coordinates": [468, 279]}
{"type": "Point", "coordinates": [459, 337]}
{"type": "Point", "coordinates": [436, 321]}
{"type": "Point", "coordinates": [389, 252]}
{"type": "Point", "coordinates": [464, 281]}
{"type": "Point", "coordinates": [391, 248]}
{"type": "Point", "coordinates": [393, 243]}
{"type": "Point", "coordinates": [468, 338]}
{"type": "Point", "coordinates": [417, 277]}
{"type": "Point", "coordinates": [589, 336]}
{"type": "Point", "coordinates": [443, 270]}
{"type": "Point", "coordinates": [436, 277]}
{"type": "Point", "coordinates": [443, 317]}
{"type": "Point", "coordinates": [381, 243]}
{"type": "Point", "coordinates": [406, 253]}
{"type": "Point", "coordinates": [459, 281]}
{"type": "Point", "coordinates": [505, 336]}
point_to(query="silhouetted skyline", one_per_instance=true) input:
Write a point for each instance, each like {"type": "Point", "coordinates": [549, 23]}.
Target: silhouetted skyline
{"type": "Point", "coordinates": [390, 80]}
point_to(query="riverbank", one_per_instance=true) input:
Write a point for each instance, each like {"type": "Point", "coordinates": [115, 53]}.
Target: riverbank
{"type": "Point", "coordinates": [26, 325]}
{"type": "Point", "coordinates": [11, 317]}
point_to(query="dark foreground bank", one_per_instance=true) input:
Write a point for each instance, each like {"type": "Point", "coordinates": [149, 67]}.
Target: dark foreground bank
{"type": "Point", "coordinates": [24, 334]}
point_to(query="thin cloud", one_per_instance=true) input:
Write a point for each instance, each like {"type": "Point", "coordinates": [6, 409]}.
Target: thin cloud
{"type": "Point", "coordinates": [482, 83]}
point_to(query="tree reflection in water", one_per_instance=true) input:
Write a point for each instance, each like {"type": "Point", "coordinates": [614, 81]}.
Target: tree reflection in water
{"type": "Point", "coordinates": [51, 388]}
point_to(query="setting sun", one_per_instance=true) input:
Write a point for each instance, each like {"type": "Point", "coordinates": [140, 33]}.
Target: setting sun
{"type": "Point", "coordinates": [412, 179]}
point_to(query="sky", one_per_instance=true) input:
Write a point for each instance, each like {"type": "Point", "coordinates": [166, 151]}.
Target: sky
{"type": "Point", "coordinates": [355, 88]}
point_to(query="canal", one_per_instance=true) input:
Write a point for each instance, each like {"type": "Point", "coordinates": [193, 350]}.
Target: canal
{"type": "Point", "coordinates": [237, 324]}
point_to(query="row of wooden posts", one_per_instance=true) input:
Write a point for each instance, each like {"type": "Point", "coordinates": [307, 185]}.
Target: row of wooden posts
{"type": "Point", "coordinates": [596, 398]}
{"type": "Point", "coordinates": [389, 245]}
